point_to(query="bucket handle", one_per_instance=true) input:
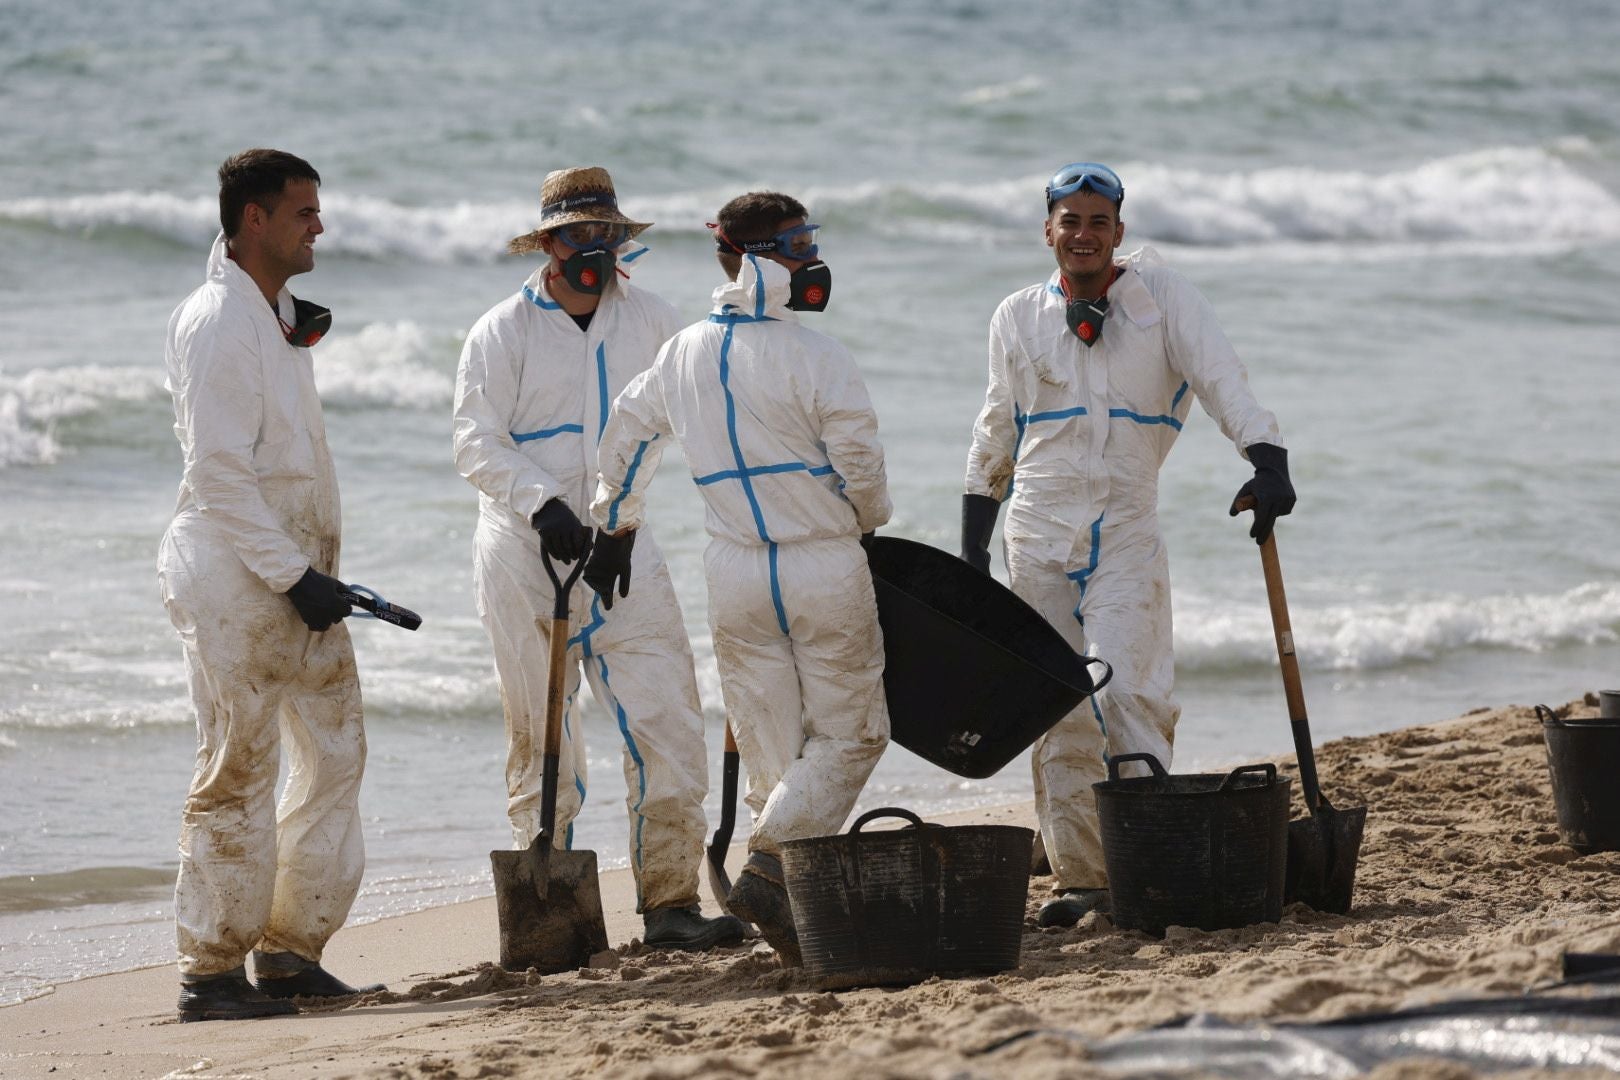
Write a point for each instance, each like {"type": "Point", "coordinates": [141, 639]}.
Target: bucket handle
{"type": "Point", "coordinates": [1148, 759]}
{"type": "Point", "coordinates": [1108, 671]}
{"type": "Point", "coordinates": [888, 811]}
{"type": "Point", "coordinates": [1231, 778]}
{"type": "Point", "coordinates": [1546, 716]}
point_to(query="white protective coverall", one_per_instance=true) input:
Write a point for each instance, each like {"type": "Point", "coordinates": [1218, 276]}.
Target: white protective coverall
{"type": "Point", "coordinates": [258, 506]}
{"type": "Point", "coordinates": [1073, 437]}
{"type": "Point", "coordinates": [779, 433]}
{"type": "Point", "coordinates": [532, 397]}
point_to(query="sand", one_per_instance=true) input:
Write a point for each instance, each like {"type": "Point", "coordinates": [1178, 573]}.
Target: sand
{"type": "Point", "coordinates": [1464, 890]}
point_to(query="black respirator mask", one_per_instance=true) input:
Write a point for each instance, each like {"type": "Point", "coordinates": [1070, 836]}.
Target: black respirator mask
{"type": "Point", "coordinates": [810, 285]}
{"type": "Point", "coordinates": [588, 271]}
{"type": "Point", "coordinates": [1085, 318]}
{"type": "Point", "coordinates": [310, 323]}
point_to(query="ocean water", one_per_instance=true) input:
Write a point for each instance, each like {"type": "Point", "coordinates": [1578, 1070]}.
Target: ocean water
{"type": "Point", "coordinates": [1406, 213]}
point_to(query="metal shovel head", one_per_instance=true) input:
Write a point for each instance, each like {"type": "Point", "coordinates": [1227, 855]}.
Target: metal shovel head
{"type": "Point", "coordinates": [549, 906]}
{"type": "Point", "coordinates": [1322, 854]}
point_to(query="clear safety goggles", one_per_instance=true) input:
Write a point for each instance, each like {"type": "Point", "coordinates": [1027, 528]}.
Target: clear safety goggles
{"type": "Point", "coordinates": [795, 243]}
{"type": "Point", "coordinates": [593, 235]}
{"type": "Point", "coordinates": [1083, 175]}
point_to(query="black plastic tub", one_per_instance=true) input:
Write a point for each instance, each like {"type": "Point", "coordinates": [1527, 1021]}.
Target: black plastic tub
{"type": "Point", "coordinates": [1583, 757]}
{"type": "Point", "coordinates": [973, 675]}
{"type": "Point", "coordinates": [895, 906]}
{"type": "Point", "coordinates": [1208, 850]}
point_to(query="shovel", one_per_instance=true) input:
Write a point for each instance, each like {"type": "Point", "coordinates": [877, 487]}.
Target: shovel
{"type": "Point", "coordinates": [548, 902]}
{"type": "Point", "coordinates": [1323, 848]}
{"type": "Point", "coordinates": [719, 880]}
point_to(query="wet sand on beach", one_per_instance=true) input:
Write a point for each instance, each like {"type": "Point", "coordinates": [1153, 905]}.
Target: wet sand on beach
{"type": "Point", "coordinates": [1464, 890]}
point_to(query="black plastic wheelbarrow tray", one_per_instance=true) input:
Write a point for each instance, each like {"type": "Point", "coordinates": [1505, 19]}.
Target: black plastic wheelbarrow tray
{"type": "Point", "coordinates": [973, 674]}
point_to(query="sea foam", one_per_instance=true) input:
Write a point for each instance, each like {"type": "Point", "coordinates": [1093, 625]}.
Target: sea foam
{"type": "Point", "coordinates": [1458, 200]}
{"type": "Point", "coordinates": [34, 403]}
{"type": "Point", "coordinates": [382, 366]}
{"type": "Point", "coordinates": [1372, 635]}
{"type": "Point", "coordinates": [386, 365]}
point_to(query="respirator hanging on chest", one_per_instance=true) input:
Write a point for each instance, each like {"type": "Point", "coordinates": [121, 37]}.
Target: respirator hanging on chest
{"type": "Point", "coordinates": [1085, 318]}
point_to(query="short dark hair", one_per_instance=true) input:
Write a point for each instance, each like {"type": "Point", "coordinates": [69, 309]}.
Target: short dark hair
{"type": "Point", "coordinates": [257, 176]}
{"type": "Point", "coordinates": [755, 216]}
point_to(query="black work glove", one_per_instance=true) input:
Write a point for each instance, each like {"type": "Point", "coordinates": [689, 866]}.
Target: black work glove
{"type": "Point", "coordinates": [609, 563]}
{"type": "Point", "coordinates": [316, 597]}
{"type": "Point", "coordinates": [1272, 491]}
{"type": "Point", "coordinates": [561, 533]}
{"type": "Point", "coordinates": [978, 522]}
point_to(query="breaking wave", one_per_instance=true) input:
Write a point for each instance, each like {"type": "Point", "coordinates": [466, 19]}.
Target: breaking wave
{"type": "Point", "coordinates": [1345, 637]}
{"type": "Point", "coordinates": [383, 366]}
{"type": "Point", "coordinates": [1460, 199]}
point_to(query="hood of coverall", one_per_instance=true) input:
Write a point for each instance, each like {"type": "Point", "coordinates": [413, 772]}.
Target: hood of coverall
{"type": "Point", "coordinates": [761, 291]}
{"type": "Point", "coordinates": [227, 272]}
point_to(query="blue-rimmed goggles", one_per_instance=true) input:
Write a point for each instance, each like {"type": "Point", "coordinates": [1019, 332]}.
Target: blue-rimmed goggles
{"type": "Point", "coordinates": [798, 242]}
{"type": "Point", "coordinates": [593, 235]}
{"type": "Point", "coordinates": [1084, 176]}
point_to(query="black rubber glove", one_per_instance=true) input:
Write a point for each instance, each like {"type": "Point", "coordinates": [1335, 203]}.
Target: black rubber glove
{"type": "Point", "coordinates": [1273, 492]}
{"type": "Point", "coordinates": [316, 597]}
{"type": "Point", "coordinates": [978, 522]}
{"type": "Point", "coordinates": [561, 533]}
{"type": "Point", "coordinates": [609, 563]}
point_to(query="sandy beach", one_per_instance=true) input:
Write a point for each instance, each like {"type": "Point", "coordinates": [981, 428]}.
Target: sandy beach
{"type": "Point", "coordinates": [1464, 890]}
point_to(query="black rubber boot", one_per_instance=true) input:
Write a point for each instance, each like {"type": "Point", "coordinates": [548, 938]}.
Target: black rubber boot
{"type": "Point", "coordinates": [685, 928]}
{"type": "Point", "coordinates": [1070, 906]}
{"type": "Point", "coordinates": [227, 997]}
{"type": "Point", "coordinates": [286, 975]}
{"type": "Point", "coordinates": [760, 896]}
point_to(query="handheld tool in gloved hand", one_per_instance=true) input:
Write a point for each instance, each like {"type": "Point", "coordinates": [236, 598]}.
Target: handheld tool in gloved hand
{"type": "Point", "coordinates": [548, 903]}
{"type": "Point", "coordinates": [1322, 849]}
{"type": "Point", "coordinates": [715, 864]}
{"type": "Point", "coordinates": [373, 606]}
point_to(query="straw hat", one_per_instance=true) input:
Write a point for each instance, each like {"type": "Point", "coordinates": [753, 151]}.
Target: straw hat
{"type": "Point", "coordinates": [570, 195]}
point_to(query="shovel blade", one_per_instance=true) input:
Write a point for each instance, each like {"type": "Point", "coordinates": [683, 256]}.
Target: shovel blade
{"type": "Point", "coordinates": [549, 907]}
{"type": "Point", "coordinates": [1322, 854]}
{"type": "Point", "coordinates": [714, 866]}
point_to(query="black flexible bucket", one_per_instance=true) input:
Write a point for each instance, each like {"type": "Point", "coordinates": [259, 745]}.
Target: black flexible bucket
{"type": "Point", "coordinates": [1204, 849]}
{"type": "Point", "coordinates": [898, 905]}
{"type": "Point", "coordinates": [1583, 757]}
{"type": "Point", "coordinates": [973, 675]}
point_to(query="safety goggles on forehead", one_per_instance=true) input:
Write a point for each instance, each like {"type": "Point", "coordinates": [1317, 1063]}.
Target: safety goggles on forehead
{"type": "Point", "coordinates": [798, 242]}
{"type": "Point", "coordinates": [1083, 176]}
{"type": "Point", "coordinates": [587, 235]}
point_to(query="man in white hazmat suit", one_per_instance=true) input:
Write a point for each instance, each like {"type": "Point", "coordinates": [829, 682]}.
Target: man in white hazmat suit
{"type": "Point", "coordinates": [245, 572]}
{"type": "Point", "coordinates": [1092, 374]}
{"type": "Point", "coordinates": [537, 375]}
{"type": "Point", "coordinates": [778, 431]}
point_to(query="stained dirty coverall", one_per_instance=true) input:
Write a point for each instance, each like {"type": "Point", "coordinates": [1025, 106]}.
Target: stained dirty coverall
{"type": "Point", "coordinates": [258, 506]}
{"type": "Point", "coordinates": [779, 433]}
{"type": "Point", "coordinates": [532, 397]}
{"type": "Point", "coordinates": [1072, 437]}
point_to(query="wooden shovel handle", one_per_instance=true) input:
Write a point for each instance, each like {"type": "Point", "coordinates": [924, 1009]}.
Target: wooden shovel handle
{"type": "Point", "coordinates": [556, 682]}
{"type": "Point", "coordinates": [1282, 628]}
{"type": "Point", "coordinates": [1293, 689]}
{"type": "Point", "coordinates": [556, 686]}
